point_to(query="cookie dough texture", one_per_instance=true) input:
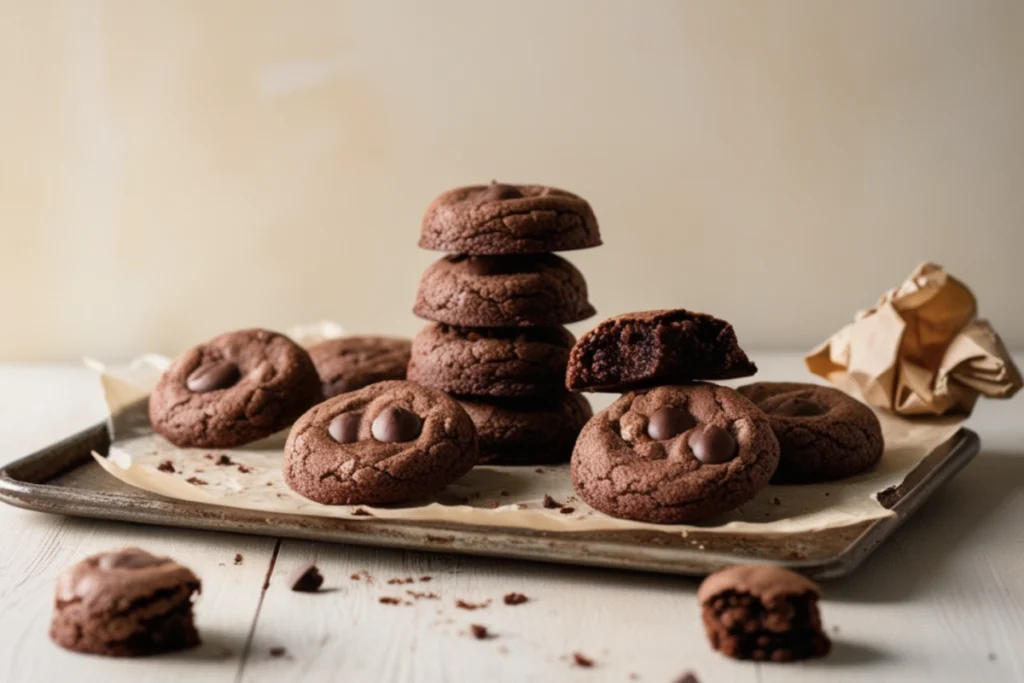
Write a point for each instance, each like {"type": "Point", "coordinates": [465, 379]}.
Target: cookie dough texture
{"type": "Point", "coordinates": [619, 469]}
{"type": "Point", "coordinates": [536, 431]}
{"type": "Point", "coordinates": [369, 471]}
{"type": "Point", "coordinates": [350, 363]}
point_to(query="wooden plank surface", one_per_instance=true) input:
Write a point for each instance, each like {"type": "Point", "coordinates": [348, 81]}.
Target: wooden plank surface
{"type": "Point", "coordinates": [942, 601]}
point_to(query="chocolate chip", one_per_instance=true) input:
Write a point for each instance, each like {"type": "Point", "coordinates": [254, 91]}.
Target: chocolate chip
{"type": "Point", "coordinates": [496, 191]}
{"type": "Point", "coordinates": [305, 579]}
{"type": "Point", "coordinates": [797, 406]}
{"type": "Point", "coordinates": [345, 427]}
{"type": "Point", "coordinates": [668, 423]}
{"type": "Point", "coordinates": [212, 376]}
{"type": "Point", "coordinates": [395, 425]}
{"type": "Point", "coordinates": [712, 445]}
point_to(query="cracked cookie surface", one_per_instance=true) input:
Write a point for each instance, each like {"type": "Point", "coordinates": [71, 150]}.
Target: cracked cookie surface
{"type": "Point", "coordinates": [389, 442]}
{"type": "Point", "coordinates": [674, 454]}
{"type": "Point", "coordinates": [824, 433]}
{"type": "Point", "coordinates": [534, 431]}
{"type": "Point", "coordinates": [496, 362]}
{"type": "Point", "coordinates": [350, 363]}
{"type": "Point", "coordinates": [508, 219]}
{"type": "Point", "coordinates": [234, 389]}
{"type": "Point", "coordinates": [503, 291]}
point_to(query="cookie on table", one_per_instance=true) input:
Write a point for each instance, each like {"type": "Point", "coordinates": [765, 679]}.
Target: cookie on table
{"type": "Point", "coordinates": [534, 431]}
{"type": "Point", "coordinates": [389, 442]}
{"type": "Point", "coordinates": [350, 363]}
{"type": "Point", "coordinates": [508, 219]}
{"type": "Point", "coordinates": [491, 361]}
{"type": "Point", "coordinates": [126, 603]}
{"type": "Point", "coordinates": [763, 613]}
{"type": "Point", "coordinates": [234, 389]}
{"type": "Point", "coordinates": [503, 291]}
{"type": "Point", "coordinates": [652, 348]}
{"type": "Point", "coordinates": [823, 433]}
{"type": "Point", "coordinates": [674, 454]}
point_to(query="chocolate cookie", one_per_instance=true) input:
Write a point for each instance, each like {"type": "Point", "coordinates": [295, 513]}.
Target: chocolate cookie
{"type": "Point", "coordinates": [674, 454]}
{"type": "Point", "coordinates": [503, 291]}
{"type": "Point", "coordinates": [508, 219]}
{"type": "Point", "coordinates": [234, 389]}
{"type": "Point", "coordinates": [126, 603]}
{"type": "Point", "coordinates": [351, 363]}
{"type": "Point", "coordinates": [763, 613]}
{"type": "Point", "coordinates": [491, 361]}
{"type": "Point", "coordinates": [652, 348]}
{"type": "Point", "coordinates": [823, 433]}
{"type": "Point", "coordinates": [535, 431]}
{"type": "Point", "coordinates": [386, 443]}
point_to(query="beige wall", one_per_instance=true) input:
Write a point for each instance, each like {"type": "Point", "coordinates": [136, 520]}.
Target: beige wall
{"type": "Point", "coordinates": [173, 169]}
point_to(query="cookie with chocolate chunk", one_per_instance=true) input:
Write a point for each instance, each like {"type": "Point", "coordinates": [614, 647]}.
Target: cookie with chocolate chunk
{"type": "Point", "coordinates": [652, 348]}
{"type": "Point", "coordinates": [503, 291]}
{"type": "Point", "coordinates": [674, 454]}
{"type": "Point", "coordinates": [508, 219]}
{"type": "Point", "coordinates": [234, 389]}
{"type": "Point", "coordinates": [763, 613]}
{"type": "Point", "coordinates": [350, 363]}
{"type": "Point", "coordinates": [126, 603]}
{"type": "Point", "coordinates": [389, 442]}
{"type": "Point", "coordinates": [532, 431]}
{"type": "Point", "coordinates": [494, 361]}
{"type": "Point", "coordinates": [823, 433]}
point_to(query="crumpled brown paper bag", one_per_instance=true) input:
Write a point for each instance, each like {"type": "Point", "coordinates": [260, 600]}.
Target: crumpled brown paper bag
{"type": "Point", "coordinates": [920, 350]}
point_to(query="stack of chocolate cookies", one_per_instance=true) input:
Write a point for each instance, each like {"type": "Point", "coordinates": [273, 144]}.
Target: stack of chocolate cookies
{"type": "Point", "coordinates": [497, 305]}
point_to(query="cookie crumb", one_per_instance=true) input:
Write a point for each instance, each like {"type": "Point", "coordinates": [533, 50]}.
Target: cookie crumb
{"type": "Point", "coordinates": [305, 578]}
{"type": "Point", "coordinates": [398, 582]}
{"type": "Point", "coordinates": [360, 512]}
{"type": "Point", "coordinates": [238, 558]}
{"type": "Point", "coordinates": [462, 604]}
{"type": "Point", "coordinates": [225, 459]}
{"type": "Point", "coordinates": [515, 598]}
{"type": "Point", "coordinates": [426, 578]}
{"type": "Point", "coordinates": [567, 510]}
{"type": "Point", "coordinates": [278, 652]}
{"type": "Point", "coordinates": [196, 481]}
{"type": "Point", "coordinates": [244, 469]}
{"type": "Point", "coordinates": [550, 503]}
{"type": "Point", "coordinates": [479, 632]}
{"type": "Point", "coordinates": [539, 470]}
{"type": "Point", "coordinates": [688, 677]}
{"type": "Point", "coordinates": [388, 600]}
{"type": "Point", "coordinates": [582, 660]}
{"type": "Point", "coordinates": [776, 501]}
{"type": "Point", "coordinates": [826, 494]}
{"type": "Point", "coordinates": [166, 466]}
{"type": "Point", "coordinates": [423, 596]}
{"type": "Point", "coordinates": [208, 456]}
{"type": "Point", "coordinates": [505, 493]}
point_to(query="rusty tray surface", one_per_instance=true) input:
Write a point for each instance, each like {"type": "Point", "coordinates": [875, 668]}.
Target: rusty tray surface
{"type": "Point", "coordinates": [64, 479]}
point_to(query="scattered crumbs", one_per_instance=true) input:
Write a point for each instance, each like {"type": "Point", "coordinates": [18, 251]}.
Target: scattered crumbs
{"type": "Point", "coordinates": [196, 480]}
{"type": "Point", "coordinates": [426, 578]}
{"type": "Point", "coordinates": [579, 659]}
{"type": "Point", "coordinates": [360, 512]}
{"type": "Point", "coordinates": [238, 558]}
{"type": "Point", "coordinates": [388, 600]}
{"type": "Point", "coordinates": [515, 598]}
{"type": "Point", "coordinates": [245, 469]}
{"type": "Point", "coordinates": [492, 504]}
{"type": "Point", "coordinates": [362, 576]}
{"type": "Point", "coordinates": [566, 510]}
{"type": "Point", "coordinates": [479, 632]}
{"type": "Point", "coordinates": [278, 652]}
{"type": "Point", "coordinates": [225, 459]}
{"type": "Point", "coordinates": [462, 604]}
{"type": "Point", "coordinates": [423, 596]}
{"type": "Point", "coordinates": [539, 470]}
{"type": "Point", "coordinates": [991, 656]}
{"type": "Point", "coordinates": [398, 582]}
{"type": "Point", "coordinates": [166, 466]}
{"type": "Point", "coordinates": [505, 493]}
{"type": "Point", "coordinates": [776, 501]}
{"type": "Point", "coordinates": [550, 503]}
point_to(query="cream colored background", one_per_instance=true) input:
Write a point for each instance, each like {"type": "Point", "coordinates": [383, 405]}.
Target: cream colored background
{"type": "Point", "coordinates": [174, 169]}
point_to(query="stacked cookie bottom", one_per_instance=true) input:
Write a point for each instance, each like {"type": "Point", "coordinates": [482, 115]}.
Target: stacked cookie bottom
{"type": "Point", "coordinates": [497, 309]}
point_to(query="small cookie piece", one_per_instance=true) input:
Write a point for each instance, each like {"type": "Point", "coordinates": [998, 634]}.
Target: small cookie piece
{"type": "Point", "coordinates": [350, 363]}
{"type": "Point", "coordinates": [653, 348]}
{"type": "Point", "coordinates": [491, 361]}
{"type": "Point", "coordinates": [674, 454]}
{"type": "Point", "coordinates": [126, 603]}
{"type": "Point", "coordinates": [823, 433]}
{"type": "Point", "coordinates": [503, 291]}
{"type": "Point", "coordinates": [508, 219]}
{"type": "Point", "coordinates": [763, 613]}
{"type": "Point", "coordinates": [234, 389]}
{"type": "Point", "coordinates": [389, 442]}
{"type": "Point", "coordinates": [536, 431]}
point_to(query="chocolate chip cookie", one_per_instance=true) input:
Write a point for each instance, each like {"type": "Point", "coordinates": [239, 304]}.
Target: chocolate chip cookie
{"type": "Point", "coordinates": [763, 613]}
{"type": "Point", "coordinates": [491, 361]}
{"type": "Point", "coordinates": [535, 431]}
{"type": "Point", "coordinates": [234, 389]}
{"type": "Point", "coordinates": [126, 603]}
{"type": "Point", "coordinates": [674, 454]}
{"type": "Point", "coordinates": [823, 433]}
{"type": "Point", "coordinates": [508, 219]}
{"type": "Point", "coordinates": [386, 443]}
{"type": "Point", "coordinates": [350, 363]}
{"type": "Point", "coordinates": [503, 291]}
{"type": "Point", "coordinates": [652, 348]}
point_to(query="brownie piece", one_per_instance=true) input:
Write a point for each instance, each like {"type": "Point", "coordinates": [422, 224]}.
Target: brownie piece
{"type": "Point", "coordinates": [534, 431]}
{"type": "Point", "coordinates": [125, 603]}
{"type": "Point", "coordinates": [763, 613]}
{"type": "Point", "coordinates": [350, 363]}
{"type": "Point", "coordinates": [653, 348]}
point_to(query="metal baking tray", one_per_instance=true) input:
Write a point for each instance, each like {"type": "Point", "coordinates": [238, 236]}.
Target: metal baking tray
{"type": "Point", "coordinates": [64, 479]}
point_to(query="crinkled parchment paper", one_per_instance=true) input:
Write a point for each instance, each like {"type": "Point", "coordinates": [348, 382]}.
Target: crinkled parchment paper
{"type": "Point", "coordinates": [487, 496]}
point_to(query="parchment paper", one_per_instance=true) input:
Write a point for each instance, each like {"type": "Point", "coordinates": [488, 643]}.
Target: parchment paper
{"type": "Point", "coordinates": [487, 496]}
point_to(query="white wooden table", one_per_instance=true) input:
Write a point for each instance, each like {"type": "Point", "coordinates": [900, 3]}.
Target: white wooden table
{"type": "Point", "coordinates": [942, 600]}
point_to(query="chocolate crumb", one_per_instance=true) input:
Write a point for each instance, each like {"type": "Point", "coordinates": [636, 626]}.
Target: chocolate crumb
{"type": "Point", "coordinates": [479, 632]}
{"type": "Point", "coordinates": [360, 512]}
{"type": "Point", "coordinates": [505, 493]}
{"type": "Point", "coordinates": [270, 483]}
{"type": "Point", "coordinates": [305, 578]}
{"type": "Point", "coordinates": [567, 510]}
{"type": "Point", "coordinates": [362, 576]}
{"type": "Point", "coordinates": [387, 600]}
{"type": "Point", "coordinates": [550, 503]}
{"type": "Point", "coordinates": [278, 652]}
{"type": "Point", "coordinates": [423, 596]}
{"type": "Point", "coordinates": [776, 501]}
{"type": "Point", "coordinates": [515, 598]}
{"type": "Point", "coordinates": [225, 459]}
{"type": "Point", "coordinates": [197, 481]}
{"type": "Point", "coordinates": [208, 456]}
{"type": "Point", "coordinates": [688, 677]}
{"type": "Point", "coordinates": [539, 470]}
{"type": "Point", "coordinates": [462, 604]}
{"type": "Point", "coordinates": [582, 660]}
{"type": "Point", "coordinates": [426, 578]}
{"type": "Point", "coordinates": [238, 558]}
{"type": "Point", "coordinates": [244, 469]}
{"type": "Point", "coordinates": [397, 582]}
{"type": "Point", "coordinates": [826, 494]}
{"type": "Point", "coordinates": [166, 466]}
